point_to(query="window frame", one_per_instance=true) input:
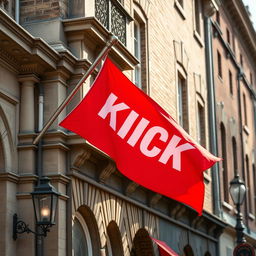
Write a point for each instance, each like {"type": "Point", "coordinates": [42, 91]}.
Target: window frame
{"type": "Point", "coordinates": [85, 228]}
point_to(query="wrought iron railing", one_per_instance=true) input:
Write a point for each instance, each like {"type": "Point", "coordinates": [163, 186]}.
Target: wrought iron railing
{"type": "Point", "coordinates": [110, 15]}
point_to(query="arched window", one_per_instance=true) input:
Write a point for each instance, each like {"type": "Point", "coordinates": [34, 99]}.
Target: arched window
{"type": "Point", "coordinates": [249, 192]}
{"type": "Point", "coordinates": [188, 251]}
{"type": "Point", "coordinates": [225, 184]}
{"type": "Point", "coordinates": [234, 151]}
{"type": "Point", "coordinates": [254, 186]}
{"type": "Point", "coordinates": [114, 240]}
{"type": "Point", "coordinates": [1, 156]}
{"type": "Point", "coordinates": [81, 239]}
{"type": "Point", "coordinates": [140, 47]}
{"type": "Point", "coordinates": [142, 244]}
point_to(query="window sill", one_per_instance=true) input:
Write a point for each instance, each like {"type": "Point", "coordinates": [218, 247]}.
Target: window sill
{"type": "Point", "coordinates": [180, 9]}
{"type": "Point", "coordinates": [227, 206]}
{"type": "Point", "coordinates": [198, 39]}
{"type": "Point", "coordinates": [220, 78]}
{"type": "Point", "coordinates": [246, 129]}
{"type": "Point", "coordinates": [207, 177]}
{"type": "Point", "coordinates": [251, 216]}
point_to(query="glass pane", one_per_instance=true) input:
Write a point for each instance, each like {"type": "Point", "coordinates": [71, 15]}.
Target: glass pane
{"type": "Point", "coordinates": [80, 245]}
{"type": "Point", "coordinates": [54, 207]}
{"type": "Point", "coordinates": [43, 208]}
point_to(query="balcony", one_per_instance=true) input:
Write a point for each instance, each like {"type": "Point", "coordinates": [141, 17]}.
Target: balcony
{"type": "Point", "coordinates": [112, 15]}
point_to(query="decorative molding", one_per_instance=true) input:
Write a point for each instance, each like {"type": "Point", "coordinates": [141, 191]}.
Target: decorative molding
{"type": "Point", "coordinates": [107, 171]}
{"type": "Point", "coordinates": [108, 207]}
{"type": "Point", "coordinates": [29, 178]}
{"type": "Point", "coordinates": [11, 99]}
{"type": "Point", "coordinates": [31, 68]}
{"type": "Point", "coordinates": [56, 146]}
{"type": "Point", "coordinates": [181, 55]}
{"type": "Point", "coordinates": [131, 187]}
{"type": "Point", "coordinates": [145, 6]}
{"type": "Point", "coordinates": [155, 199]}
{"type": "Point", "coordinates": [211, 6]}
{"type": "Point", "coordinates": [61, 178]}
{"type": "Point", "coordinates": [9, 176]}
{"type": "Point", "coordinates": [82, 158]}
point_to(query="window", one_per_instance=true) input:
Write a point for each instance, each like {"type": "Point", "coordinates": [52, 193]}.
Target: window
{"type": "Point", "coordinates": [234, 153]}
{"type": "Point", "coordinates": [181, 3]}
{"type": "Point", "coordinates": [241, 60]}
{"type": "Point", "coordinates": [1, 156]}
{"type": "Point", "coordinates": [230, 82]}
{"type": "Point", "coordinates": [218, 18]}
{"type": "Point", "coordinates": [249, 194]}
{"type": "Point", "coordinates": [81, 241]}
{"type": "Point", "coordinates": [200, 125]}
{"type": "Point", "coordinates": [225, 184]}
{"type": "Point", "coordinates": [182, 102]}
{"type": "Point", "coordinates": [228, 37]}
{"type": "Point", "coordinates": [137, 53]}
{"type": "Point", "coordinates": [245, 109]}
{"type": "Point", "coordinates": [254, 187]}
{"type": "Point", "coordinates": [188, 251]}
{"type": "Point", "coordinates": [113, 17]}
{"type": "Point", "coordinates": [251, 79]}
{"type": "Point", "coordinates": [219, 64]}
{"type": "Point", "coordinates": [198, 9]}
{"type": "Point", "coordinates": [234, 43]}
{"type": "Point", "coordinates": [114, 240]}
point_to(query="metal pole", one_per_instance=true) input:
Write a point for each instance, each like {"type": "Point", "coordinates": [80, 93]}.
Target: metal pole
{"type": "Point", "coordinates": [239, 226]}
{"type": "Point", "coordinates": [110, 43]}
{"type": "Point", "coordinates": [212, 115]}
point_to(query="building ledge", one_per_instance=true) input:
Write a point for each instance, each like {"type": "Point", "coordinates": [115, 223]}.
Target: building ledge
{"type": "Point", "coordinates": [90, 28]}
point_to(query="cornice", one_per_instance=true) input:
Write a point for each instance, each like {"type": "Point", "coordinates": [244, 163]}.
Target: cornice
{"type": "Point", "coordinates": [11, 99]}
{"type": "Point", "coordinates": [236, 9]}
{"type": "Point", "coordinates": [43, 56]}
{"type": "Point", "coordinates": [9, 176]}
{"type": "Point", "coordinates": [230, 54]}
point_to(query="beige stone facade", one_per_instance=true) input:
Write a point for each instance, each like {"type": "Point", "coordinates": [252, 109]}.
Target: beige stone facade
{"type": "Point", "coordinates": [101, 212]}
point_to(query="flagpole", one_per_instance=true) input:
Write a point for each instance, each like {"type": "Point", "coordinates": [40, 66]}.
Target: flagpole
{"type": "Point", "coordinates": [112, 41]}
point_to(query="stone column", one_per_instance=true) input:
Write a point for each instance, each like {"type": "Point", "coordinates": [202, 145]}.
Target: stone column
{"type": "Point", "coordinates": [27, 125]}
{"type": "Point", "coordinates": [27, 108]}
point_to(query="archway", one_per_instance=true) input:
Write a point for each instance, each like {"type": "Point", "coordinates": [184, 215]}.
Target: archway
{"type": "Point", "coordinates": [142, 244]}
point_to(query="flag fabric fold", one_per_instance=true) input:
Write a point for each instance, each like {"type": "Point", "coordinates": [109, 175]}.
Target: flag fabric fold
{"type": "Point", "coordinates": [164, 249]}
{"type": "Point", "coordinates": [147, 145]}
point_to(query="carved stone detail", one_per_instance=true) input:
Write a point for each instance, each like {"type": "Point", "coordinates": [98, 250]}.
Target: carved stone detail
{"type": "Point", "coordinates": [154, 199]}
{"type": "Point", "coordinates": [80, 159]}
{"type": "Point", "coordinates": [107, 171]}
{"type": "Point", "coordinates": [132, 186]}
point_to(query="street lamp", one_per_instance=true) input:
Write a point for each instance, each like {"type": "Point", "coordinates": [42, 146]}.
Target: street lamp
{"type": "Point", "coordinates": [237, 191]}
{"type": "Point", "coordinates": [45, 199]}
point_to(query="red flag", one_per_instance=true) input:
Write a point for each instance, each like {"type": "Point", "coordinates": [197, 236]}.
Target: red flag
{"type": "Point", "coordinates": [147, 145]}
{"type": "Point", "coordinates": [164, 249]}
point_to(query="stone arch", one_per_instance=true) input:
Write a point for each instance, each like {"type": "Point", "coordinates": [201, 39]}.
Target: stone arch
{"type": "Point", "coordinates": [188, 251]}
{"type": "Point", "coordinates": [144, 6]}
{"type": "Point", "coordinates": [6, 145]}
{"type": "Point", "coordinates": [142, 244]}
{"type": "Point", "coordinates": [115, 239]}
{"type": "Point", "coordinates": [92, 226]}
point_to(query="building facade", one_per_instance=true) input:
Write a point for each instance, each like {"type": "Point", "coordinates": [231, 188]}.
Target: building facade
{"type": "Point", "coordinates": [163, 47]}
{"type": "Point", "coordinates": [233, 40]}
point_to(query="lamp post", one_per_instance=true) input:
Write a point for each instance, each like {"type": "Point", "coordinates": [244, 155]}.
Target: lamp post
{"type": "Point", "coordinates": [237, 191]}
{"type": "Point", "coordinates": [45, 199]}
